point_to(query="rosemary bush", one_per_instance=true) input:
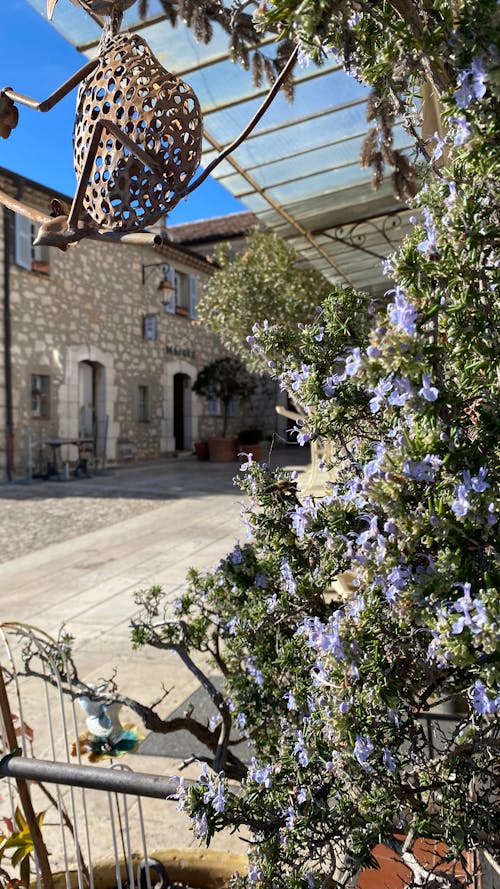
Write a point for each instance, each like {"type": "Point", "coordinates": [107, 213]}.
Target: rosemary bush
{"type": "Point", "coordinates": [333, 689]}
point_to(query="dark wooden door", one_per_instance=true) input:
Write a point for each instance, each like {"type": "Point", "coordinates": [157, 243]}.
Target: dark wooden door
{"type": "Point", "coordinates": [179, 411]}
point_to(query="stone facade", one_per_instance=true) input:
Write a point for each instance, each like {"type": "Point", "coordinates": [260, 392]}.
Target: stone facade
{"type": "Point", "coordinates": [98, 351]}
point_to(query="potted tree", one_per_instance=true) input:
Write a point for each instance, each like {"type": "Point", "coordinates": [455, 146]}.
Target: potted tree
{"type": "Point", "coordinates": [226, 380]}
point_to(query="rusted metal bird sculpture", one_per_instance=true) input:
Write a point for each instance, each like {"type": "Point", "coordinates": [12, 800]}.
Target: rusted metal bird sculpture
{"type": "Point", "coordinates": [137, 138]}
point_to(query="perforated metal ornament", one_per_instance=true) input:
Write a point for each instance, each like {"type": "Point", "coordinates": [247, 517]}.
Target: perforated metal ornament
{"type": "Point", "coordinates": [159, 112]}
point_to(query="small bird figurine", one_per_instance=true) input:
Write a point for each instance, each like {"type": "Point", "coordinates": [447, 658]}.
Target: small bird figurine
{"type": "Point", "coordinates": [106, 736]}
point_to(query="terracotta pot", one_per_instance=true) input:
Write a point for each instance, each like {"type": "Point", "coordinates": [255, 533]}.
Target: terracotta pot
{"type": "Point", "coordinates": [223, 450]}
{"type": "Point", "coordinates": [254, 449]}
{"type": "Point", "coordinates": [199, 868]}
{"type": "Point", "coordinates": [201, 450]}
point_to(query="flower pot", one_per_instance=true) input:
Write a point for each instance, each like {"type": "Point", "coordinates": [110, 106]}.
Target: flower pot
{"type": "Point", "coordinates": [223, 450]}
{"type": "Point", "coordinates": [201, 450]}
{"type": "Point", "coordinates": [199, 868]}
{"type": "Point", "coordinates": [254, 449]}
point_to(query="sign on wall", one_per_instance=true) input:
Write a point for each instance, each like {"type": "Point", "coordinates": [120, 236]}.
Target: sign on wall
{"type": "Point", "coordinates": [150, 327]}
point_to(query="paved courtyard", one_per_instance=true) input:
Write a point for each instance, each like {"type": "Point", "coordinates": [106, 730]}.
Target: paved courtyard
{"type": "Point", "coordinates": [75, 552]}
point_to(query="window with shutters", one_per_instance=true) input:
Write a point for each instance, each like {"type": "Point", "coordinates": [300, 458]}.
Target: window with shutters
{"type": "Point", "coordinates": [181, 293]}
{"type": "Point", "coordinates": [185, 294]}
{"type": "Point", "coordinates": [33, 259]}
{"type": "Point", "coordinates": [40, 395]}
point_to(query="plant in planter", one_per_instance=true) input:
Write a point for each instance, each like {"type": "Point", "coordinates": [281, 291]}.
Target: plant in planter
{"type": "Point", "coordinates": [225, 380]}
{"type": "Point", "coordinates": [201, 450]}
{"type": "Point", "coordinates": [249, 442]}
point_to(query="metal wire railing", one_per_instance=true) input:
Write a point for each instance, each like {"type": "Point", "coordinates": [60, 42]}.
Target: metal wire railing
{"type": "Point", "coordinates": [62, 815]}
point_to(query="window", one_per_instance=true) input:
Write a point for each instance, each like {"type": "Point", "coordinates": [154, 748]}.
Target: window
{"type": "Point", "coordinates": [26, 255]}
{"type": "Point", "coordinates": [213, 405]}
{"type": "Point", "coordinates": [181, 293]}
{"type": "Point", "coordinates": [183, 301]}
{"type": "Point", "coordinates": [143, 404]}
{"type": "Point", "coordinates": [40, 395]}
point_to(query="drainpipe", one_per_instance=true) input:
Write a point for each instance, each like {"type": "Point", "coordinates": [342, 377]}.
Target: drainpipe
{"type": "Point", "coordinates": [7, 339]}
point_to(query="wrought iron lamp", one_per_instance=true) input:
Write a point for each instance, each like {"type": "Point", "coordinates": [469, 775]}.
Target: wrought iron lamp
{"type": "Point", "coordinates": [165, 285]}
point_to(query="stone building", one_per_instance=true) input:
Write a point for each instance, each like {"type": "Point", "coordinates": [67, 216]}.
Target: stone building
{"type": "Point", "coordinates": [100, 342]}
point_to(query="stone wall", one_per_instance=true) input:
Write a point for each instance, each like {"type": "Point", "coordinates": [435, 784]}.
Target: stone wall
{"type": "Point", "coordinates": [79, 318]}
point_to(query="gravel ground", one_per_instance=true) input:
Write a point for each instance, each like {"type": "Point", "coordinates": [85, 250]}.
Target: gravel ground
{"type": "Point", "coordinates": [32, 519]}
{"type": "Point", "coordinates": [44, 512]}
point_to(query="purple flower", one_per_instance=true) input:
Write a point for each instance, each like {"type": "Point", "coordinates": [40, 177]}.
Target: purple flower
{"type": "Point", "coordinates": [271, 603]}
{"type": "Point", "coordinates": [300, 750]}
{"type": "Point", "coordinates": [388, 760]}
{"type": "Point", "coordinates": [480, 700]}
{"type": "Point", "coordinates": [324, 637]}
{"type": "Point", "coordinates": [303, 57]}
{"type": "Point", "coordinates": [471, 84]}
{"type": "Point", "coordinates": [380, 391]}
{"type": "Point", "coordinates": [254, 873]}
{"type": "Point", "coordinates": [253, 671]}
{"type": "Point", "coordinates": [375, 466]}
{"type": "Point", "coordinates": [353, 363]}
{"type": "Point", "coordinates": [363, 749]}
{"type": "Point", "coordinates": [402, 313]}
{"type": "Point", "coordinates": [450, 200]}
{"type": "Point", "coordinates": [401, 393]}
{"type": "Point", "coordinates": [301, 795]}
{"type": "Point", "coordinates": [260, 774]}
{"type": "Point", "coordinates": [463, 130]}
{"type": "Point", "coordinates": [438, 151]}
{"type": "Point", "coordinates": [287, 577]}
{"type": "Point", "coordinates": [219, 799]}
{"type": "Point", "coordinates": [302, 437]}
{"type": "Point", "coordinates": [422, 470]}
{"type": "Point", "coordinates": [461, 505]}
{"type": "Point", "coordinates": [236, 555]}
{"type": "Point", "coordinates": [302, 516]}
{"type": "Point", "coordinates": [430, 393]}
{"type": "Point", "coordinates": [428, 245]}
{"type": "Point", "coordinates": [397, 579]}
{"type": "Point", "coordinates": [299, 376]}
{"type": "Point", "coordinates": [290, 701]}
{"type": "Point", "coordinates": [241, 721]}
{"type": "Point", "coordinates": [200, 826]}
{"type": "Point", "coordinates": [478, 482]}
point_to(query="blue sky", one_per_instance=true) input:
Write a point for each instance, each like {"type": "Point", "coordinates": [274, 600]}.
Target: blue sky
{"type": "Point", "coordinates": [35, 60]}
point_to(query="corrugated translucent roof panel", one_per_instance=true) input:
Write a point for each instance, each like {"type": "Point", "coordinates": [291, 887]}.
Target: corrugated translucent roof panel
{"type": "Point", "coordinates": [298, 170]}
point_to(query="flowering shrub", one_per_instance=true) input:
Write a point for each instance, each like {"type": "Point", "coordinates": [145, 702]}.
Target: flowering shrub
{"type": "Point", "coordinates": [335, 691]}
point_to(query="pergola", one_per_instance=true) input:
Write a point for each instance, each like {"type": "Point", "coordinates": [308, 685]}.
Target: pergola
{"type": "Point", "coordinates": [299, 170]}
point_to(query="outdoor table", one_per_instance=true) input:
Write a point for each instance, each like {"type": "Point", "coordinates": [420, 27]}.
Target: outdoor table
{"type": "Point", "coordinates": [82, 443]}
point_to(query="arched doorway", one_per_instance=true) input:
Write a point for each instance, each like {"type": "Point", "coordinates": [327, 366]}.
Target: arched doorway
{"type": "Point", "coordinates": [182, 412]}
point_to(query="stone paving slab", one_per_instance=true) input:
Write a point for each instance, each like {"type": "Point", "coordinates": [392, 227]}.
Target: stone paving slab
{"type": "Point", "coordinates": [76, 552]}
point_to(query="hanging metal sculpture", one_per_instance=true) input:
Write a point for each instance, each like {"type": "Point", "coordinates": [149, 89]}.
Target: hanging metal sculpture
{"type": "Point", "coordinates": [137, 138]}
